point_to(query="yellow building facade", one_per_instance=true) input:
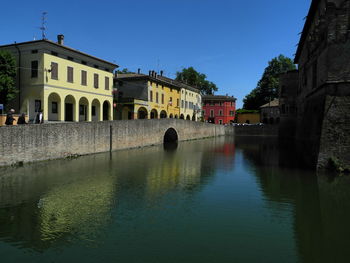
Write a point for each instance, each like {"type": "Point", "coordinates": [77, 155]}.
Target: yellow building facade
{"type": "Point", "coordinates": [66, 84]}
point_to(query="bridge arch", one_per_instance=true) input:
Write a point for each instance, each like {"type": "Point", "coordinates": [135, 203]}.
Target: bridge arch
{"type": "Point", "coordinates": [170, 136]}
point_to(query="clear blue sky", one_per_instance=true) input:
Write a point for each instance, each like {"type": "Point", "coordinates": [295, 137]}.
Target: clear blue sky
{"type": "Point", "coordinates": [230, 41]}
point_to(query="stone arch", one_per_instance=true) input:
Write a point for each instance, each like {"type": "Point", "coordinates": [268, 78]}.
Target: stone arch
{"type": "Point", "coordinates": [176, 117]}
{"type": "Point", "coordinates": [154, 114]}
{"type": "Point", "coordinates": [163, 114]}
{"type": "Point", "coordinates": [188, 117]}
{"type": "Point", "coordinates": [95, 110]}
{"type": "Point", "coordinates": [84, 109]}
{"type": "Point", "coordinates": [106, 108]}
{"type": "Point", "coordinates": [171, 116]}
{"type": "Point", "coordinates": [54, 107]}
{"type": "Point", "coordinates": [182, 117]}
{"type": "Point", "coordinates": [142, 113]}
{"type": "Point", "coordinates": [170, 136]}
{"type": "Point", "coordinates": [69, 108]}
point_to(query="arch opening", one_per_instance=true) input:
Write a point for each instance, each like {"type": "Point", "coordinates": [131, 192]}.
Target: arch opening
{"type": "Point", "coordinates": [142, 113]}
{"type": "Point", "coordinates": [105, 110]}
{"type": "Point", "coordinates": [154, 114]}
{"type": "Point", "coordinates": [69, 106]}
{"type": "Point", "coordinates": [170, 136]}
{"type": "Point", "coordinates": [163, 114]}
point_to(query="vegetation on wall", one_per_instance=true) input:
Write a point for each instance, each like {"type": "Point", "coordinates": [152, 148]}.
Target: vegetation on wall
{"type": "Point", "coordinates": [196, 79]}
{"type": "Point", "coordinates": [268, 86]}
{"type": "Point", "coordinates": [8, 89]}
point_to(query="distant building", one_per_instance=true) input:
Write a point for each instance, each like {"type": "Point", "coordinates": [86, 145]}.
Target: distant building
{"type": "Point", "coordinates": [248, 117]}
{"type": "Point", "coordinates": [270, 112]}
{"type": "Point", "coordinates": [153, 96]}
{"type": "Point", "coordinates": [321, 91]}
{"type": "Point", "coordinates": [67, 84]}
{"type": "Point", "coordinates": [219, 109]}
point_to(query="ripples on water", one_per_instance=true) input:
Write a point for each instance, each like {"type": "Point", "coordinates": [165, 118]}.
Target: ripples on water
{"type": "Point", "coordinates": [215, 200]}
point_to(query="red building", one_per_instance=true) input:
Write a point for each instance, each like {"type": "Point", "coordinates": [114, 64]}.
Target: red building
{"type": "Point", "coordinates": [219, 109]}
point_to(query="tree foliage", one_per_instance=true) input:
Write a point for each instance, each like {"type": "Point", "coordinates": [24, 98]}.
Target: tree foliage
{"type": "Point", "coordinates": [199, 80]}
{"type": "Point", "coordinates": [8, 89]}
{"type": "Point", "coordinates": [124, 71]}
{"type": "Point", "coordinates": [268, 86]}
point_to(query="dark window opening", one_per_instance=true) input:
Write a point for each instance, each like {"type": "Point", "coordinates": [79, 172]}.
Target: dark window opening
{"type": "Point", "coordinates": [70, 58]}
{"type": "Point", "coordinates": [34, 69]}
{"type": "Point", "coordinates": [54, 53]}
{"type": "Point", "coordinates": [34, 51]}
{"type": "Point", "coordinates": [54, 107]}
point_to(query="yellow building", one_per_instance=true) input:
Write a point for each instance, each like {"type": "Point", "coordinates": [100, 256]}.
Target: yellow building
{"type": "Point", "coordinates": [141, 96]}
{"type": "Point", "coordinates": [68, 85]}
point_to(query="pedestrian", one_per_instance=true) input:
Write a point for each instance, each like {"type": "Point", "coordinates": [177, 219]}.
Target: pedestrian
{"type": "Point", "coordinates": [9, 117]}
{"type": "Point", "coordinates": [22, 119]}
{"type": "Point", "coordinates": [39, 117]}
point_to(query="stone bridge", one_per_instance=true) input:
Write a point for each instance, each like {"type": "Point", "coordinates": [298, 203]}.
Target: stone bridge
{"type": "Point", "coordinates": [29, 143]}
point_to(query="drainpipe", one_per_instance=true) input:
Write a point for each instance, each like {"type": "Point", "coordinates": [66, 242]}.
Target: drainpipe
{"type": "Point", "coordinates": [19, 75]}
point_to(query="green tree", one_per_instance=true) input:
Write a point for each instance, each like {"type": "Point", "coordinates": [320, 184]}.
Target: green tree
{"type": "Point", "coordinates": [8, 89]}
{"type": "Point", "coordinates": [268, 86]}
{"type": "Point", "coordinates": [193, 78]}
{"type": "Point", "coordinates": [124, 71]}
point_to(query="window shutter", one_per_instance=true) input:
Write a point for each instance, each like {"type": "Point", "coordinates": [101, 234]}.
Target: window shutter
{"type": "Point", "coordinates": [96, 80]}
{"type": "Point", "coordinates": [106, 83]}
{"type": "Point", "coordinates": [70, 74]}
{"type": "Point", "coordinates": [83, 78]}
{"type": "Point", "coordinates": [54, 70]}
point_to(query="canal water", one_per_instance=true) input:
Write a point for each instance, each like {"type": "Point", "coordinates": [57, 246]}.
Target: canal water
{"type": "Point", "coordinates": [215, 200]}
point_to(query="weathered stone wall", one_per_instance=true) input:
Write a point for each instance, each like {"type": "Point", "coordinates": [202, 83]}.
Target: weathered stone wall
{"type": "Point", "coordinates": [335, 134]}
{"type": "Point", "coordinates": [28, 143]}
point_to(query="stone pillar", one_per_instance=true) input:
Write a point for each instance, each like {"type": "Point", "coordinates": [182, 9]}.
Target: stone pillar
{"type": "Point", "coordinates": [76, 111]}
{"type": "Point", "coordinates": [101, 112]}
{"type": "Point", "coordinates": [61, 110]}
{"type": "Point", "coordinates": [88, 111]}
{"type": "Point", "coordinates": [45, 105]}
{"type": "Point", "coordinates": [110, 110]}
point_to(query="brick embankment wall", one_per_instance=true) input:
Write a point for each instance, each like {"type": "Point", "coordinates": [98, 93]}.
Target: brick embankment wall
{"type": "Point", "coordinates": [335, 132]}
{"type": "Point", "coordinates": [29, 143]}
{"type": "Point", "coordinates": [256, 130]}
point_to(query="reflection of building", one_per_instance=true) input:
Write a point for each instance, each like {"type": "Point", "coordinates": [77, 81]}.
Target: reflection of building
{"type": "Point", "coordinates": [270, 112]}
{"type": "Point", "coordinates": [66, 84]}
{"type": "Point", "coordinates": [154, 96]}
{"type": "Point", "coordinates": [219, 109]}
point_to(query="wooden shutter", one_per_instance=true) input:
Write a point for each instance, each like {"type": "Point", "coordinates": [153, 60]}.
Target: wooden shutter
{"type": "Point", "coordinates": [106, 83]}
{"type": "Point", "coordinates": [96, 80]}
{"type": "Point", "coordinates": [83, 78]}
{"type": "Point", "coordinates": [70, 74]}
{"type": "Point", "coordinates": [54, 70]}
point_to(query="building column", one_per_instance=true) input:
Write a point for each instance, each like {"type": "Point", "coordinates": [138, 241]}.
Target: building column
{"type": "Point", "coordinates": [76, 111]}
{"type": "Point", "coordinates": [101, 111]}
{"type": "Point", "coordinates": [88, 111]}
{"type": "Point", "coordinates": [61, 110]}
{"type": "Point", "coordinates": [45, 105]}
{"type": "Point", "coordinates": [111, 110]}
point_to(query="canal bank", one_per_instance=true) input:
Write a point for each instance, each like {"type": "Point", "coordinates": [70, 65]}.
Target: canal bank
{"type": "Point", "coordinates": [30, 143]}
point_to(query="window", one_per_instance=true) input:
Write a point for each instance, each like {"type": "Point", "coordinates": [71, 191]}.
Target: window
{"type": "Point", "coordinates": [232, 113]}
{"type": "Point", "coordinates": [54, 108]}
{"type": "Point", "coordinates": [220, 121]}
{"type": "Point", "coordinates": [34, 69]}
{"type": "Point", "coordinates": [162, 98]}
{"type": "Point", "coordinates": [220, 112]}
{"type": "Point", "coordinates": [70, 58]}
{"type": "Point", "coordinates": [171, 101]}
{"type": "Point", "coordinates": [106, 83]}
{"type": "Point", "coordinates": [95, 66]}
{"type": "Point", "coordinates": [54, 70]}
{"type": "Point", "coordinates": [211, 113]}
{"type": "Point", "coordinates": [156, 97]}
{"type": "Point", "coordinates": [83, 78]}
{"type": "Point", "coordinates": [54, 53]}
{"type": "Point", "coordinates": [182, 104]}
{"type": "Point", "coordinates": [70, 74]}
{"type": "Point", "coordinates": [37, 105]}
{"type": "Point", "coordinates": [82, 110]}
{"type": "Point", "coordinates": [34, 51]}
{"type": "Point", "coordinates": [151, 96]}
{"type": "Point", "coordinates": [177, 102]}
{"type": "Point", "coordinates": [186, 104]}
{"type": "Point", "coordinates": [93, 110]}
{"type": "Point", "coordinates": [220, 103]}
{"type": "Point", "coordinates": [83, 62]}
{"type": "Point", "coordinates": [96, 81]}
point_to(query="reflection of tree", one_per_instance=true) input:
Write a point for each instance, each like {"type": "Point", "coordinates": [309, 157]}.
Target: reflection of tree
{"type": "Point", "coordinates": [321, 208]}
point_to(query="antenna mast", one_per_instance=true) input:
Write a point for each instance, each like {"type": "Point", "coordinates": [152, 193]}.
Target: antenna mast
{"type": "Point", "coordinates": [43, 25]}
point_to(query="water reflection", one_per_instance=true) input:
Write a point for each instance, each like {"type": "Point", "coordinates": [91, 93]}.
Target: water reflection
{"type": "Point", "coordinates": [216, 200]}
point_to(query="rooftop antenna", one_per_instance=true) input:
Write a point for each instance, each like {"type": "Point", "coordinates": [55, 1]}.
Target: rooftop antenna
{"type": "Point", "coordinates": [43, 25]}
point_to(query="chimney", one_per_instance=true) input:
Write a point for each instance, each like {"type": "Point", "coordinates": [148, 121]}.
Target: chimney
{"type": "Point", "coordinates": [155, 74]}
{"type": "Point", "coordinates": [150, 73]}
{"type": "Point", "coordinates": [60, 39]}
{"type": "Point", "coordinates": [138, 71]}
{"type": "Point", "coordinates": [161, 72]}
